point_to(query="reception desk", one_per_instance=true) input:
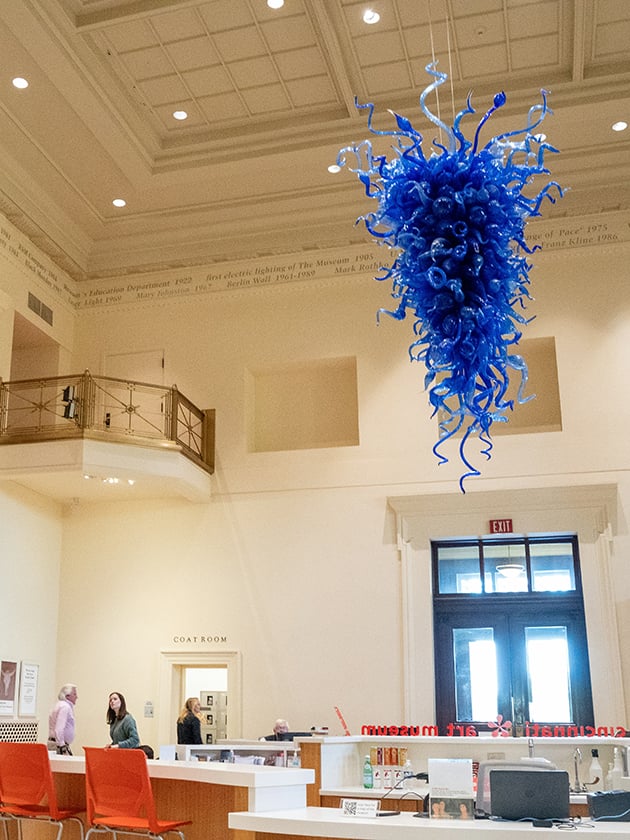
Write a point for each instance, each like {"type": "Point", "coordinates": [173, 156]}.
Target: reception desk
{"type": "Point", "coordinates": [204, 792]}
{"type": "Point", "coordinates": [329, 823]}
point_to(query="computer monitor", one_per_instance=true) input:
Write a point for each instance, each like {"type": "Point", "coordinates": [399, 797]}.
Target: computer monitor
{"type": "Point", "coordinates": [287, 736]}
{"type": "Point", "coordinates": [483, 776]}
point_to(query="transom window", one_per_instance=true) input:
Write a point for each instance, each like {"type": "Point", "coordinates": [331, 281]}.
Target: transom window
{"type": "Point", "coordinates": [519, 565]}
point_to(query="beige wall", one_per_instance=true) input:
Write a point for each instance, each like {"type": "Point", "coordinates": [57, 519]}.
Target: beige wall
{"type": "Point", "coordinates": [295, 560]}
{"type": "Point", "coordinates": [30, 559]}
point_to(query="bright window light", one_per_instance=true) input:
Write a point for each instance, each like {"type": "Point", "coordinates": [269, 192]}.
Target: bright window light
{"type": "Point", "coordinates": [20, 83]}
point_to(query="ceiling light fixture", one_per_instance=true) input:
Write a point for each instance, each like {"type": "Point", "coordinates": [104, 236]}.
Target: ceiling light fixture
{"type": "Point", "coordinates": [620, 126]}
{"type": "Point", "coordinates": [180, 115]}
{"type": "Point", "coordinates": [20, 83]}
{"type": "Point", "coordinates": [511, 570]}
{"type": "Point", "coordinates": [275, 4]}
{"type": "Point", "coordinates": [334, 168]}
{"type": "Point", "coordinates": [119, 202]}
{"type": "Point", "coordinates": [371, 16]}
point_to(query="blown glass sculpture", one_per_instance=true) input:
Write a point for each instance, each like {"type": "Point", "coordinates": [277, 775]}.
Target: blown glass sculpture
{"type": "Point", "coordinates": [455, 219]}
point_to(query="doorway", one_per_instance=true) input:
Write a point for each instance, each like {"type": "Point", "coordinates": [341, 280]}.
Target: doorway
{"type": "Point", "coordinates": [175, 667]}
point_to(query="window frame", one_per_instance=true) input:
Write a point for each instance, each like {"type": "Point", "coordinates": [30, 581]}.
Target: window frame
{"type": "Point", "coordinates": [503, 611]}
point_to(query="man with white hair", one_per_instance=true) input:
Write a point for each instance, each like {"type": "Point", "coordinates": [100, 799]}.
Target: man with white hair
{"type": "Point", "coordinates": [61, 721]}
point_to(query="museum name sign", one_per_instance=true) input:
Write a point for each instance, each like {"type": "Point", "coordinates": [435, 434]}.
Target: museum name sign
{"type": "Point", "coordinates": [529, 730]}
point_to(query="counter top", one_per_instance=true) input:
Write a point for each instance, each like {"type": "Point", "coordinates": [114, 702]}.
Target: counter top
{"type": "Point", "coordinates": [329, 822]}
{"type": "Point", "coordinates": [417, 791]}
{"type": "Point", "coordinates": [210, 772]}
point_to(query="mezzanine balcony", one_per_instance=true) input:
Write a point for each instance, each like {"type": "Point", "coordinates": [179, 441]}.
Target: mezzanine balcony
{"type": "Point", "coordinates": [84, 437]}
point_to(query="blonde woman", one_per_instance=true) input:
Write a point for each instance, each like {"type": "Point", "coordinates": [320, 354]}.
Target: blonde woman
{"type": "Point", "coordinates": [189, 722]}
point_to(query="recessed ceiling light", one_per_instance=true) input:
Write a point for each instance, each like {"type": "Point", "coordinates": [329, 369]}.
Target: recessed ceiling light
{"type": "Point", "coordinates": [275, 4]}
{"type": "Point", "coordinates": [620, 126]}
{"type": "Point", "coordinates": [334, 168]}
{"type": "Point", "coordinates": [180, 115]}
{"type": "Point", "coordinates": [119, 202]}
{"type": "Point", "coordinates": [371, 16]}
{"type": "Point", "coordinates": [20, 83]}
{"type": "Point", "coordinates": [540, 137]}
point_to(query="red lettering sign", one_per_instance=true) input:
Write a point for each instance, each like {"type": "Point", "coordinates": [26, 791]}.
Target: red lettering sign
{"type": "Point", "coordinates": [500, 526]}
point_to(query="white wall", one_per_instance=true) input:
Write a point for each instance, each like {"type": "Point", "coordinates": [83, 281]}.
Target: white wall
{"type": "Point", "coordinates": [30, 558]}
{"type": "Point", "coordinates": [294, 560]}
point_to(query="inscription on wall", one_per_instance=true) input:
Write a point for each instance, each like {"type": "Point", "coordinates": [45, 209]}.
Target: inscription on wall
{"type": "Point", "coordinates": [360, 260]}
{"type": "Point", "coordinates": [580, 233]}
{"type": "Point", "coordinates": [231, 276]}
{"type": "Point", "coordinates": [19, 251]}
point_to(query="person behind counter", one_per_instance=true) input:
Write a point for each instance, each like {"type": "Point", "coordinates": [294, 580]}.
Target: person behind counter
{"type": "Point", "coordinates": [280, 728]}
{"type": "Point", "coordinates": [189, 722]}
{"type": "Point", "coordinates": [123, 731]}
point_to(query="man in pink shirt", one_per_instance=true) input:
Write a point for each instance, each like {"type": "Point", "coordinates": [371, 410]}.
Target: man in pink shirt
{"type": "Point", "coordinates": [61, 721]}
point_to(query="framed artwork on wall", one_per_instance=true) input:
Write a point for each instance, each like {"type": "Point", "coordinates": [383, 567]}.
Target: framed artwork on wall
{"type": "Point", "coordinates": [29, 675]}
{"type": "Point", "coordinates": [8, 687]}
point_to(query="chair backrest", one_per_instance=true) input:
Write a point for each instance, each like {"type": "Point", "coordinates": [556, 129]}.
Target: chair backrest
{"type": "Point", "coordinates": [26, 777]}
{"type": "Point", "coordinates": [118, 785]}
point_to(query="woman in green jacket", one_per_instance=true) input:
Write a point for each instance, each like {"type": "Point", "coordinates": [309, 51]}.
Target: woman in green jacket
{"type": "Point", "coordinates": [123, 731]}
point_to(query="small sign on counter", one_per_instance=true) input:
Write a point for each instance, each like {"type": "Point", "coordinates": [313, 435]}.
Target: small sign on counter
{"type": "Point", "coordinates": [360, 807]}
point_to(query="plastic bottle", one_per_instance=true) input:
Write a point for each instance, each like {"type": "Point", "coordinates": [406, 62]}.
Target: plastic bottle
{"type": "Point", "coordinates": [595, 771]}
{"type": "Point", "coordinates": [407, 774]}
{"type": "Point", "coordinates": [617, 770]}
{"type": "Point", "coordinates": [609, 777]}
{"type": "Point", "coordinates": [368, 775]}
{"type": "Point", "coordinates": [295, 761]}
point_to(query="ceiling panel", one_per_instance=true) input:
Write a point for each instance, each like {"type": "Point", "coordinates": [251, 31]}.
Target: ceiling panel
{"type": "Point", "coordinates": [265, 87]}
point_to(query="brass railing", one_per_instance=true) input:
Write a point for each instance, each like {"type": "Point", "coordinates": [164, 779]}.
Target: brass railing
{"type": "Point", "coordinates": [105, 408]}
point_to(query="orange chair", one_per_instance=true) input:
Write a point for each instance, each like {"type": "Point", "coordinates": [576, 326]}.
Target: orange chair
{"type": "Point", "coordinates": [27, 789]}
{"type": "Point", "coordinates": [119, 796]}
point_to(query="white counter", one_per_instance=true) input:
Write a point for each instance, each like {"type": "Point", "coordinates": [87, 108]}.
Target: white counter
{"type": "Point", "coordinates": [268, 787]}
{"type": "Point", "coordinates": [329, 822]}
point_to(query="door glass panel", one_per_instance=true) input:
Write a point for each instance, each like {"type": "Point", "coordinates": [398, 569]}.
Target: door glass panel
{"type": "Point", "coordinates": [547, 651]}
{"type": "Point", "coordinates": [552, 567]}
{"type": "Point", "coordinates": [458, 569]}
{"type": "Point", "coordinates": [476, 683]}
{"type": "Point", "coordinates": [505, 568]}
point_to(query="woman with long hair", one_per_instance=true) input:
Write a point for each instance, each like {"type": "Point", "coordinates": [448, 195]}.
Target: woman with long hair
{"type": "Point", "coordinates": [123, 731]}
{"type": "Point", "coordinates": [189, 722]}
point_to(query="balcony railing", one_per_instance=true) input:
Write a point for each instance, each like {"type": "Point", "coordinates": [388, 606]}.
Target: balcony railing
{"type": "Point", "coordinates": [104, 408]}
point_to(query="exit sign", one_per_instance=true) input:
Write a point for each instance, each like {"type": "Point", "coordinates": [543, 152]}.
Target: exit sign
{"type": "Point", "coordinates": [500, 526]}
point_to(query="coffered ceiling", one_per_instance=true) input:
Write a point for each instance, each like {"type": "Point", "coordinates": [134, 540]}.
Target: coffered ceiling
{"type": "Point", "coordinates": [270, 100]}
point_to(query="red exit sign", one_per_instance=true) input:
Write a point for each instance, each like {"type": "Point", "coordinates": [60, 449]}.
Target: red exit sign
{"type": "Point", "coordinates": [500, 526]}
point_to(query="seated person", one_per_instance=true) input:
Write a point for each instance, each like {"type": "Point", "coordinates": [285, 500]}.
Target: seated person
{"type": "Point", "coordinates": [280, 728]}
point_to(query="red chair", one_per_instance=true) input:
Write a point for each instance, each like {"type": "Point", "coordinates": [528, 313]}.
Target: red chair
{"type": "Point", "coordinates": [27, 789]}
{"type": "Point", "coordinates": [119, 796]}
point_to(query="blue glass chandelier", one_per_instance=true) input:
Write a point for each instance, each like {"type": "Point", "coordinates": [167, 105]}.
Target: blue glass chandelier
{"type": "Point", "coordinates": [454, 220]}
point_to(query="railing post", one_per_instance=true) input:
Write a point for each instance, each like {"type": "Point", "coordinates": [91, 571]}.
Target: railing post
{"type": "Point", "coordinates": [4, 407]}
{"type": "Point", "coordinates": [208, 436]}
{"type": "Point", "coordinates": [86, 414]}
{"type": "Point", "coordinates": [174, 400]}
